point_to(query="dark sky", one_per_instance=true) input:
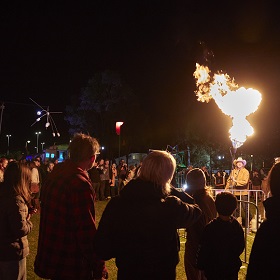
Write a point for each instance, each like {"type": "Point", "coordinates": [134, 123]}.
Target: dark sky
{"type": "Point", "coordinates": [49, 51]}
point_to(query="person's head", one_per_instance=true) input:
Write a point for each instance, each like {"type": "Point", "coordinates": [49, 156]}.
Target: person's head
{"type": "Point", "coordinates": [158, 167]}
{"type": "Point", "coordinates": [50, 166]}
{"type": "Point", "coordinates": [4, 163]}
{"type": "Point", "coordinates": [37, 161]}
{"type": "Point", "coordinates": [83, 149]}
{"type": "Point", "coordinates": [255, 172]}
{"type": "Point", "coordinates": [195, 180]}
{"type": "Point", "coordinates": [239, 162]}
{"type": "Point", "coordinates": [132, 167]}
{"type": "Point", "coordinates": [18, 177]}
{"type": "Point", "coordinates": [226, 203]}
{"type": "Point", "coordinates": [274, 179]}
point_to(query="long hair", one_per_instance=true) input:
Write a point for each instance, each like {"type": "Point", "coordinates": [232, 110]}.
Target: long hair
{"type": "Point", "coordinates": [17, 177]}
{"type": "Point", "coordinates": [82, 147]}
{"type": "Point", "coordinates": [196, 181]}
{"type": "Point", "coordinates": [158, 167]}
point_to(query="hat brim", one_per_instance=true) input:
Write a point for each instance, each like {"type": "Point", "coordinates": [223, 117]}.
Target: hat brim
{"type": "Point", "coordinates": [243, 162]}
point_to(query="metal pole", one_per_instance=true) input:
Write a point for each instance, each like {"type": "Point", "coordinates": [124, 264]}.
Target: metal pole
{"type": "Point", "coordinates": [37, 134]}
{"type": "Point", "coordinates": [8, 136]}
{"type": "Point", "coordinates": [189, 156]}
{"type": "Point", "coordinates": [26, 146]}
{"type": "Point", "coordinates": [119, 146]}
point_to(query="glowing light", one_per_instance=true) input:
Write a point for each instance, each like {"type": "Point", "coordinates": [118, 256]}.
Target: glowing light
{"type": "Point", "coordinates": [237, 103]}
{"type": "Point", "coordinates": [49, 122]}
{"type": "Point", "coordinates": [118, 127]}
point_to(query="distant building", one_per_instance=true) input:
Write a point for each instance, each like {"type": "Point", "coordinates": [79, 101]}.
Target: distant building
{"type": "Point", "coordinates": [58, 152]}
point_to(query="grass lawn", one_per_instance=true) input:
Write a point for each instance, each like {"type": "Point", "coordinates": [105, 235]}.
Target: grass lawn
{"type": "Point", "coordinates": [100, 205]}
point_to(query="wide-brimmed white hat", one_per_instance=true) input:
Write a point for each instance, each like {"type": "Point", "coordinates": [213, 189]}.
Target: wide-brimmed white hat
{"type": "Point", "coordinates": [239, 159]}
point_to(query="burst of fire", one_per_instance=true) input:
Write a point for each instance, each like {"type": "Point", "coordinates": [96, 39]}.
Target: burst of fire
{"type": "Point", "coordinates": [238, 103]}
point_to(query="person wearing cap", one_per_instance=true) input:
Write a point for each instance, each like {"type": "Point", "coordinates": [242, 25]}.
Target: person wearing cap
{"type": "Point", "coordinates": [222, 238]}
{"type": "Point", "coordinates": [196, 187]}
{"type": "Point", "coordinates": [238, 180]}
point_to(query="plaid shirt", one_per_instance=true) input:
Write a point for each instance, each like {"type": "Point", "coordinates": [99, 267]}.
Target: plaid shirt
{"type": "Point", "coordinates": [67, 226]}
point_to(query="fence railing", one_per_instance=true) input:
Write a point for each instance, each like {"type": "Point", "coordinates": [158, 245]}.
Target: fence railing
{"type": "Point", "coordinates": [253, 209]}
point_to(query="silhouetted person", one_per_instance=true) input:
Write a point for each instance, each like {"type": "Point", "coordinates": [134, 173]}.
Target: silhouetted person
{"type": "Point", "coordinates": [264, 258]}
{"type": "Point", "coordinates": [222, 242]}
{"type": "Point", "coordinates": [139, 227]}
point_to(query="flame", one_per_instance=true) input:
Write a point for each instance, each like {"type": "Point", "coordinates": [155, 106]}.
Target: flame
{"type": "Point", "coordinates": [238, 103]}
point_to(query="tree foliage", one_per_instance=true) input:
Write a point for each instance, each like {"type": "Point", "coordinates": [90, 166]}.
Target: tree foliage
{"type": "Point", "coordinates": [104, 101]}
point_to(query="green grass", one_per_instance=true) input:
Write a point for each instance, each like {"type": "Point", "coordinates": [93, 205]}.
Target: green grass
{"type": "Point", "coordinates": [33, 238]}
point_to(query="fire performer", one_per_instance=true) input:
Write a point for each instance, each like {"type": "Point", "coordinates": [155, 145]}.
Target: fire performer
{"type": "Point", "coordinates": [238, 180]}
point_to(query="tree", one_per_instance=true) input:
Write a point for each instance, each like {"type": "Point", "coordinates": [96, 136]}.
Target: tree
{"type": "Point", "coordinates": [105, 100]}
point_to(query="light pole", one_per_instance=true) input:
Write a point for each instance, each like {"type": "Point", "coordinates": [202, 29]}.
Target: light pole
{"type": "Point", "coordinates": [27, 142]}
{"type": "Point", "coordinates": [26, 146]}
{"type": "Point", "coordinates": [37, 134]}
{"type": "Point", "coordinates": [118, 131]}
{"type": "Point", "coordinates": [8, 136]}
{"type": "Point", "coordinates": [43, 143]}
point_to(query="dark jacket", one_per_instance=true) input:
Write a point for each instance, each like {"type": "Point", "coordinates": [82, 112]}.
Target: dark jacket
{"type": "Point", "coordinates": [14, 225]}
{"type": "Point", "coordinates": [94, 174]}
{"type": "Point", "coordinates": [264, 258]}
{"type": "Point", "coordinates": [194, 232]}
{"type": "Point", "coordinates": [139, 229]}
{"type": "Point", "coordinates": [221, 245]}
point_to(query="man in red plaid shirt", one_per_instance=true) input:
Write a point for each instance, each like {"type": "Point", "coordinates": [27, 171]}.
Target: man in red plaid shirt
{"type": "Point", "coordinates": [67, 219]}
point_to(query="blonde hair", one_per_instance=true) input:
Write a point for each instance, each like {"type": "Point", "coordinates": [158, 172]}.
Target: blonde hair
{"type": "Point", "coordinates": [82, 147]}
{"type": "Point", "coordinates": [17, 176]}
{"type": "Point", "coordinates": [158, 167]}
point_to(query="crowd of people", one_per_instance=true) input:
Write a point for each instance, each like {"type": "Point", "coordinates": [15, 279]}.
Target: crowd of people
{"type": "Point", "coordinates": [108, 178]}
{"type": "Point", "coordinates": [139, 226]}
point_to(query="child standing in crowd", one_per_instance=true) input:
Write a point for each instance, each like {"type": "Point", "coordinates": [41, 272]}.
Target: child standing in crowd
{"type": "Point", "coordinates": [222, 242]}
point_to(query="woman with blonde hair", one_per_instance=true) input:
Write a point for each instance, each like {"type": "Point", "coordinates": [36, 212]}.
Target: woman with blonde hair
{"type": "Point", "coordinates": [139, 227]}
{"type": "Point", "coordinates": [15, 221]}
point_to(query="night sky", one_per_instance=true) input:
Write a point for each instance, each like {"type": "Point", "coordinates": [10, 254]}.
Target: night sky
{"type": "Point", "coordinates": [50, 51]}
